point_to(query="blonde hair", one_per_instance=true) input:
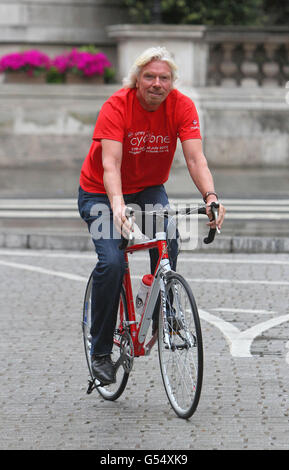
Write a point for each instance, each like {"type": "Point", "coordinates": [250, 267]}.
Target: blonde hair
{"type": "Point", "coordinates": [153, 53]}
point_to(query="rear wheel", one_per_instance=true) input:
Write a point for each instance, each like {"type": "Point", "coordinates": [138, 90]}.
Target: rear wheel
{"type": "Point", "coordinates": [180, 346]}
{"type": "Point", "coordinates": [122, 352]}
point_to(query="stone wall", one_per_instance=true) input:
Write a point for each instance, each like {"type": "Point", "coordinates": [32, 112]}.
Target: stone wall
{"type": "Point", "coordinates": [237, 78]}
{"type": "Point", "coordinates": [54, 26]}
{"type": "Point", "coordinates": [244, 127]}
{"type": "Point", "coordinates": [48, 124]}
{"type": "Point", "coordinates": [53, 124]}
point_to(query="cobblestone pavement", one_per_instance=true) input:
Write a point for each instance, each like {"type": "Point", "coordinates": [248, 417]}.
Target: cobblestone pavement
{"type": "Point", "coordinates": [243, 302]}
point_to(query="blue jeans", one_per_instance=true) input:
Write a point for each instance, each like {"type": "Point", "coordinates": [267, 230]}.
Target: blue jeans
{"type": "Point", "coordinates": [109, 270]}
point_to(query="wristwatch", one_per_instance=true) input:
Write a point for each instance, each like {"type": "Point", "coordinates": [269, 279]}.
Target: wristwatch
{"type": "Point", "coordinates": [209, 193]}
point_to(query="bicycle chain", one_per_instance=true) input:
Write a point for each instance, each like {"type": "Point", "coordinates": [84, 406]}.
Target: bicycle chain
{"type": "Point", "coordinates": [127, 351]}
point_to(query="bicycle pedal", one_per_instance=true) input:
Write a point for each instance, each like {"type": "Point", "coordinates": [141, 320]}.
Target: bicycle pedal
{"type": "Point", "coordinates": [92, 386]}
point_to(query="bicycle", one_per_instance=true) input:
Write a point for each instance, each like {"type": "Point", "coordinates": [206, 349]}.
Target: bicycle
{"type": "Point", "coordinates": [179, 335]}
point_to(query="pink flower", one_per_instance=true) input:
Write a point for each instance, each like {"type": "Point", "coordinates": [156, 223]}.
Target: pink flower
{"type": "Point", "coordinates": [27, 61]}
{"type": "Point", "coordinates": [60, 63]}
{"type": "Point", "coordinates": [84, 63]}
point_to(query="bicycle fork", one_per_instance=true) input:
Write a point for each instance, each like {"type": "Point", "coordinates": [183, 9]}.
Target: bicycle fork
{"type": "Point", "coordinates": [158, 288]}
{"type": "Point", "coordinates": [167, 308]}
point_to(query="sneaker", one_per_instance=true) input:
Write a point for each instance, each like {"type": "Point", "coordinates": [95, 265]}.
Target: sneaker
{"type": "Point", "coordinates": [103, 369]}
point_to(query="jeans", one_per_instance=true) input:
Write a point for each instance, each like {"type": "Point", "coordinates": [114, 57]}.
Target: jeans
{"type": "Point", "coordinates": [109, 270]}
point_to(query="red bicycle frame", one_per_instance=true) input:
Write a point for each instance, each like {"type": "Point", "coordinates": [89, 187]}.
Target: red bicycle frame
{"type": "Point", "coordinates": [139, 348]}
{"type": "Point", "coordinates": [136, 331]}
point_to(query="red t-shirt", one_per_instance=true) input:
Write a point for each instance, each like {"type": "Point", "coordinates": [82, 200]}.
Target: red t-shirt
{"type": "Point", "coordinates": [149, 139]}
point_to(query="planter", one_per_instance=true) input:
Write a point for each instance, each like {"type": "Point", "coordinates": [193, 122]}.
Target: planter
{"type": "Point", "coordinates": [73, 78]}
{"type": "Point", "coordinates": [23, 77]}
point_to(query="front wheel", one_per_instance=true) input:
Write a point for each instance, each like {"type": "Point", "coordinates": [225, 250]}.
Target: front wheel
{"type": "Point", "coordinates": [122, 352]}
{"type": "Point", "coordinates": [180, 346]}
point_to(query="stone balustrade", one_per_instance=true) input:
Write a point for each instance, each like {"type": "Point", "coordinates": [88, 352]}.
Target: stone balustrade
{"type": "Point", "coordinates": [248, 57]}
{"type": "Point", "coordinates": [212, 56]}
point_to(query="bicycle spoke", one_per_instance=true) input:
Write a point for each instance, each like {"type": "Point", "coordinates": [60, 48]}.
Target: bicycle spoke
{"type": "Point", "coordinates": [113, 391]}
{"type": "Point", "coordinates": [181, 359]}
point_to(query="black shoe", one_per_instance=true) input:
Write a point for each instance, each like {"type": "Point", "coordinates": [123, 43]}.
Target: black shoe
{"type": "Point", "coordinates": [103, 369]}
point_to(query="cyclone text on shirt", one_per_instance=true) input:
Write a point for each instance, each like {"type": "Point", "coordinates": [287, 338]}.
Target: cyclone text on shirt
{"type": "Point", "coordinates": [139, 142]}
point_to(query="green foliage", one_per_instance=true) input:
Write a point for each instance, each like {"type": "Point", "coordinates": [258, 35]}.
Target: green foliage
{"type": "Point", "coordinates": [277, 12]}
{"type": "Point", "coordinates": [89, 48]}
{"type": "Point", "coordinates": [54, 76]}
{"type": "Point", "coordinates": [139, 11]}
{"type": "Point", "coordinates": [109, 75]}
{"type": "Point", "coordinates": [212, 12]}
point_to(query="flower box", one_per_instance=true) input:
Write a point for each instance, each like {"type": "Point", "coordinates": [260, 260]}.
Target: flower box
{"type": "Point", "coordinates": [23, 77]}
{"type": "Point", "coordinates": [27, 66]}
{"type": "Point", "coordinates": [73, 78]}
{"type": "Point", "coordinates": [82, 67]}
{"type": "Point", "coordinates": [77, 66]}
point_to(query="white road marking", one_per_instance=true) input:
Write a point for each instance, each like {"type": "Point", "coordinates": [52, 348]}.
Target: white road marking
{"type": "Point", "coordinates": [244, 310]}
{"type": "Point", "coordinates": [240, 341]}
{"type": "Point", "coordinates": [28, 267]}
{"type": "Point", "coordinates": [200, 280]}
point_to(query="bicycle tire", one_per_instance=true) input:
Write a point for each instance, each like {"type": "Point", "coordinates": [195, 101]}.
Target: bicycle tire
{"type": "Point", "coordinates": [113, 391]}
{"type": "Point", "coordinates": [180, 347]}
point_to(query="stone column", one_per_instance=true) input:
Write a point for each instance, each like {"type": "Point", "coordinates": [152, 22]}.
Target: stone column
{"type": "Point", "coordinates": [270, 67]}
{"type": "Point", "coordinates": [186, 43]}
{"type": "Point", "coordinates": [286, 64]}
{"type": "Point", "coordinates": [228, 67]}
{"type": "Point", "coordinates": [249, 67]}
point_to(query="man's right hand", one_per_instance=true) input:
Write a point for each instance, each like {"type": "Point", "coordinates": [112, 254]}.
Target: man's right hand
{"type": "Point", "coordinates": [121, 222]}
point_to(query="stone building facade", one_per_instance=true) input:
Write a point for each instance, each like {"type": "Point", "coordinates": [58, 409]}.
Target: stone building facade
{"type": "Point", "coordinates": [238, 77]}
{"type": "Point", "coordinates": [56, 25]}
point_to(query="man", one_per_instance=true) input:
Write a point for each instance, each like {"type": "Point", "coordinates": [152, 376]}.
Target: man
{"type": "Point", "coordinates": [133, 146]}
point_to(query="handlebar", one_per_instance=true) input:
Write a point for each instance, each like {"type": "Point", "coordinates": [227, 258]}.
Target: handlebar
{"type": "Point", "coordinates": [212, 232]}
{"type": "Point", "coordinates": [129, 212]}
